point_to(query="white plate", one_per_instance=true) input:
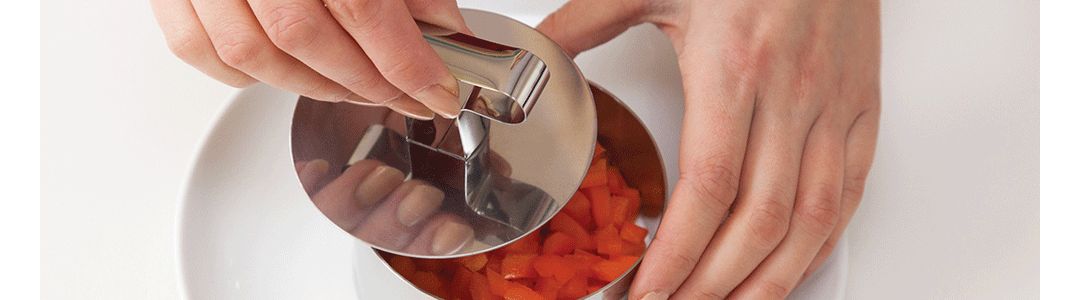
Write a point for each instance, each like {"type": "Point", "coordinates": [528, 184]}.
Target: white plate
{"type": "Point", "coordinates": [246, 230]}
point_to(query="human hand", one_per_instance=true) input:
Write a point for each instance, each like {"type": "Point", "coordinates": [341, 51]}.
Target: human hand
{"type": "Point", "coordinates": [370, 199]}
{"type": "Point", "coordinates": [782, 109]}
{"type": "Point", "coordinates": [368, 52]}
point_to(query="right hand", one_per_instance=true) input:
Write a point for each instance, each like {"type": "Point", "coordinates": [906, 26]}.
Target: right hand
{"type": "Point", "coordinates": [367, 52]}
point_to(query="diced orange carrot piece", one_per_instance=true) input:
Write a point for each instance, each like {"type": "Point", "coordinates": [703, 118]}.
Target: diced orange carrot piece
{"type": "Point", "coordinates": [596, 175]}
{"type": "Point", "coordinates": [583, 261]}
{"type": "Point", "coordinates": [520, 292]}
{"type": "Point", "coordinates": [402, 265]}
{"type": "Point", "coordinates": [459, 286]}
{"type": "Point", "coordinates": [615, 180]}
{"type": "Point", "coordinates": [608, 241]}
{"type": "Point", "coordinates": [496, 282]}
{"type": "Point", "coordinates": [547, 288]}
{"type": "Point", "coordinates": [526, 244]}
{"type": "Point", "coordinates": [432, 265]}
{"type": "Point", "coordinates": [578, 208]}
{"type": "Point", "coordinates": [432, 284]}
{"type": "Point", "coordinates": [575, 288]}
{"type": "Point", "coordinates": [621, 209]}
{"type": "Point", "coordinates": [599, 152]}
{"type": "Point", "coordinates": [518, 265]}
{"type": "Point", "coordinates": [594, 287]}
{"type": "Point", "coordinates": [611, 269]}
{"type": "Point", "coordinates": [554, 266]}
{"type": "Point", "coordinates": [633, 233]}
{"type": "Point", "coordinates": [479, 288]}
{"type": "Point", "coordinates": [628, 192]}
{"type": "Point", "coordinates": [600, 200]}
{"type": "Point", "coordinates": [633, 248]}
{"type": "Point", "coordinates": [473, 262]}
{"type": "Point", "coordinates": [558, 243]}
{"type": "Point", "coordinates": [563, 223]}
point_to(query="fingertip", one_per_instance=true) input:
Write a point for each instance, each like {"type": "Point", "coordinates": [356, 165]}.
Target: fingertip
{"type": "Point", "coordinates": [440, 99]}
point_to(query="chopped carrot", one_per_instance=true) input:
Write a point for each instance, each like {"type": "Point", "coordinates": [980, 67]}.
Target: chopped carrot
{"type": "Point", "coordinates": [596, 175]}
{"type": "Point", "coordinates": [620, 209]}
{"type": "Point", "coordinates": [578, 208]}
{"type": "Point", "coordinates": [633, 248]}
{"type": "Point", "coordinates": [563, 223]}
{"type": "Point", "coordinates": [599, 151]}
{"type": "Point", "coordinates": [431, 283]}
{"type": "Point", "coordinates": [615, 180]}
{"type": "Point", "coordinates": [479, 288]}
{"type": "Point", "coordinates": [611, 269]}
{"type": "Point", "coordinates": [518, 265]}
{"type": "Point", "coordinates": [594, 287]}
{"type": "Point", "coordinates": [585, 246]}
{"type": "Point", "coordinates": [554, 266]}
{"type": "Point", "coordinates": [526, 244]}
{"type": "Point", "coordinates": [459, 285]}
{"type": "Point", "coordinates": [558, 243]}
{"type": "Point", "coordinates": [496, 282]}
{"type": "Point", "coordinates": [600, 198]}
{"type": "Point", "coordinates": [632, 232]}
{"type": "Point", "coordinates": [547, 288]}
{"type": "Point", "coordinates": [402, 265]}
{"type": "Point", "coordinates": [576, 287]}
{"type": "Point", "coordinates": [473, 262]}
{"type": "Point", "coordinates": [608, 241]}
{"type": "Point", "coordinates": [521, 292]}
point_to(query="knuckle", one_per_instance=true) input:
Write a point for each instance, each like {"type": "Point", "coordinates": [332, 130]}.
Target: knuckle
{"type": "Point", "coordinates": [185, 44]}
{"type": "Point", "coordinates": [406, 70]}
{"type": "Point", "coordinates": [675, 254]}
{"type": "Point", "coordinates": [769, 222]}
{"type": "Point", "coordinates": [237, 50]}
{"type": "Point", "coordinates": [292, 27]}
{"type": "Point", "coordinates": [356, 13]}
{"type": "Point", "coordinates": [714, 182]}
{"type": "Point", "coordinates": [821, 210]}
{"type": "Point", "coordinates": [854, 187]}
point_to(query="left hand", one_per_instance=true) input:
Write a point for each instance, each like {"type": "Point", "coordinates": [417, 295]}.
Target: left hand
{"type": "Point", "coordinates": [782, 109]}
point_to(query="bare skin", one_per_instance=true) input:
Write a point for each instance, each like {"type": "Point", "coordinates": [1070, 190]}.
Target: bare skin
{"type": "Point", "coordinates": [782, 109]}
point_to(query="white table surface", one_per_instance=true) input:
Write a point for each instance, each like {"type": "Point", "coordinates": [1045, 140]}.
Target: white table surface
{"type": "Point", "coordinates": [951, 209]}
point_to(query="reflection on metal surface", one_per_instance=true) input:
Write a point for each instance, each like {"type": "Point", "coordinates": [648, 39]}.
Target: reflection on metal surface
{"type": "Point", "coordinates": [506, 81]}
{"type": "Point", "coordinates": [500, 179]}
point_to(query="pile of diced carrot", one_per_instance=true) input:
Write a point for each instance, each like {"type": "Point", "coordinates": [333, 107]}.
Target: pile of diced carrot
{"type": "Point", "coordinates": [592, 241]}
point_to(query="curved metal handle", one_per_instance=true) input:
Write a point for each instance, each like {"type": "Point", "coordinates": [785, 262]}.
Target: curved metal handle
{"type": "Point", "coordinates": [506, 80]}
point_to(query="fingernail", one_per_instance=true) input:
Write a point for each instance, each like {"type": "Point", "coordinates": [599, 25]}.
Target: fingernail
{"type": "Point", "coordinates": [440, 100]}
{"type": "Point", "coordinates": [379, 183]}
{"type": "Point", "coordinates": [655, 296]}
{"type": "Point", "coordinates": [411, 108]}
{"type": "Point", "coordinates": [451, 237]}
{"type": "Point", "coordinates": [356, 99]}
{"type": "Point", "coordinates": [421, 201]}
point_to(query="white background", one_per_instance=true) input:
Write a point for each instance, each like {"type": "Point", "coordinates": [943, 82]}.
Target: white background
{"type": "Point", "coordinates": [951, 209]}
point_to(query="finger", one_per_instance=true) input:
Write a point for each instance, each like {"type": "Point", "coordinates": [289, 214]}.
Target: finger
{"type": "Point", "coordinates": [713, 143]}
{"type": "Point", "coordinates": [310, 172]}
{"type": "Point", "coordinates": [816, 214]}
{"type": "Point", "coordinates": [443, 13]}
{"type": "Point", "coordinates": [445, 234]}
{"type": "Point", "coordinates": [578, 25]}
{"type": "Point", "coordinates": [348, 199]}
{"type": "Point", "coordinates": [390, 37]}
{"type": "Point", "coordinates": [399, 218]}
{"type": "Point", "coordinates": [188, 40]}
{"type": "Point", "coordinates": [859, 156]}
{"type": "Point", "coordinates": [760, 219]}
{"type": "Point", "coordinates": [240, 42]}
{"type": "Point", "coordinates": [305, 30]}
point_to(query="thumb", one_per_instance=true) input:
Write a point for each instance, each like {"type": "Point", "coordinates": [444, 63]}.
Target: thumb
{"type": "Point", "coordinates": [580, 25]}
